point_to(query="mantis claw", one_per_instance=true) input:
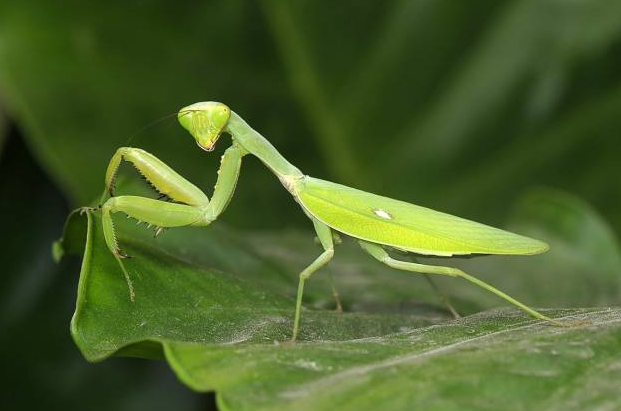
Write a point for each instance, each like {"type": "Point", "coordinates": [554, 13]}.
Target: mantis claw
{"type": "Point", "coordinates": [121, 254]}
{"type": "Point", "coordinates": [287, 343]}
{"type": "Point", "coordinates": [86, 209]}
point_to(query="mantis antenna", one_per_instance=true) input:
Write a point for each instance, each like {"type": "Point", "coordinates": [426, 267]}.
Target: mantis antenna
{"type": "Point", "coordinates": [153, 123]}
{"type": "Point", "coordinates": [179, 114]}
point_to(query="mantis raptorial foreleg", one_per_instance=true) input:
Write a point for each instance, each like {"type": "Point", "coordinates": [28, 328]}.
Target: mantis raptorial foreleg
{"type": "Point", "coordinates": [165, 180]}
{"type": "Point", "coordinates": [197, 210]}
{"type": "Point", "coordinates": [324, 233]}
{"type": "Point", "coordinates": [230, 164]}
{"type": "Point", "coordinates": [380, 254]}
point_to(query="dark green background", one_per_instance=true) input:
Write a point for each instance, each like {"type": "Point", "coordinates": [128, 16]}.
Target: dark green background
{"type": "Point", "coordinates": [460, 106]}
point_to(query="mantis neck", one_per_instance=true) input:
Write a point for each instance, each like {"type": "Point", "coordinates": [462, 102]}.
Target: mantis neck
{"type": "Point", "coordinates": [257, 145]}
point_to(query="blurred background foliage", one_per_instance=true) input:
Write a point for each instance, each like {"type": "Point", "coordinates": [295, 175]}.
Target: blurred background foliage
{"type": "Point", "coordinates": [504, 112]}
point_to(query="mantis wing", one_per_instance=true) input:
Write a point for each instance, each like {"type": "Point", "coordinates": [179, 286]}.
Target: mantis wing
{"type": "Point", "coordinates": [406, 226]}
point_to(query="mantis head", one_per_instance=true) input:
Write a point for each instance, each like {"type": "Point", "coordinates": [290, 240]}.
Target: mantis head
{"type": "Point", "coordinates": [205, 121]}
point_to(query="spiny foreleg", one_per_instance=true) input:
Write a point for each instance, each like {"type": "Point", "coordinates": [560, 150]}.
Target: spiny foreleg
{"type": "Point", "coordinates": [197, 210]}
{"type": "Point", "coordinates": [164, 179]}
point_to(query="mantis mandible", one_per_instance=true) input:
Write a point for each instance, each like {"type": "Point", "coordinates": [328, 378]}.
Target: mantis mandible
{"type": "Point", "coordinates": [377, 223]}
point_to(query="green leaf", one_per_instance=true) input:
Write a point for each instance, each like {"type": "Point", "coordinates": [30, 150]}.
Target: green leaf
{"type": "Point", "coordinates": [492, 361]}
{"type": "Point", "coordinates": [201, 304]}
{"type": "Point", "coordinates": [223, 333]}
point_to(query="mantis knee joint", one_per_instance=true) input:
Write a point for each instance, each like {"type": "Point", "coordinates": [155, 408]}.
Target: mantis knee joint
{"type": "Point", "coordinates": [389, 261]}
{"type": "Point", "coordinates": [108, 206]}
{"type": "Point", "coordinates": [326, 256]}
{"type": "Point", "coordinates": [123, 150]}
{"type": "Point", "coordinates": [209, 215]}
{"type": "Point", "coordinates": [454, 272]}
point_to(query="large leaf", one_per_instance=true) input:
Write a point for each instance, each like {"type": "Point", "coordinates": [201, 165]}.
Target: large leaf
{"type": "Point", "coordinates": [493, 361]}
{"type": "Point", "coordinates": [202, 304]}
{"type": "Point", "coordinates": [222, 333]}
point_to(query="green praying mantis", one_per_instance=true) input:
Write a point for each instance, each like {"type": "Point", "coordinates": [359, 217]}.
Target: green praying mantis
{"type": "Point", "coordinates": [377, 223]}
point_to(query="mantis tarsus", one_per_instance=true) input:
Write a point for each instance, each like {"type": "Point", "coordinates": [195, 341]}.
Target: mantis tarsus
{"type": "Point", "coordinates": [376, 222]}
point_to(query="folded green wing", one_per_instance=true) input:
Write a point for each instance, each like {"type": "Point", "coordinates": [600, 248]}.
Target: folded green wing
{"type": "Point", "coordinates": [406, 226]}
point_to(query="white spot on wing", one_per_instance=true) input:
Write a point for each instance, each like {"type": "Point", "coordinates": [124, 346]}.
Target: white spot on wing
{"type": "Point", "coordinates": [383, 214]}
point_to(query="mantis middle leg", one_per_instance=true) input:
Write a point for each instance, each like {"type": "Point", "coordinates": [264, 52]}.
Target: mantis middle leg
{"type": "Point", "coordinates": [380, 254]}
{"type": "Point", "coordinates": [324, 233]}
{"type": "Point", "coordinates": [443, 297]}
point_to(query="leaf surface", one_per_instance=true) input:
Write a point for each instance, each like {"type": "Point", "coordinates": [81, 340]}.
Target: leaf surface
{"type": "Point", "coordinates": [491, 361]}
{"type": "Point", "coordinates": [223, 333]}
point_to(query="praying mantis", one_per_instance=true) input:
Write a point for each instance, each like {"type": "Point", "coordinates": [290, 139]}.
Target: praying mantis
{"type": "Point", "coordinates": [378, 223]}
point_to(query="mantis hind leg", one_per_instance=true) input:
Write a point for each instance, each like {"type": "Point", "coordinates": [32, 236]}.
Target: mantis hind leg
{"type": "Point", "coordinates": [324, 233]}
{"type": "Point", "coordinates": [335, 293]}
{"type": "Point", "coordinates": [380, 254]}
{"type": "Point", "coordinates": [158, 213]}
{"type": "Point", "coordinates": [443, 297]}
